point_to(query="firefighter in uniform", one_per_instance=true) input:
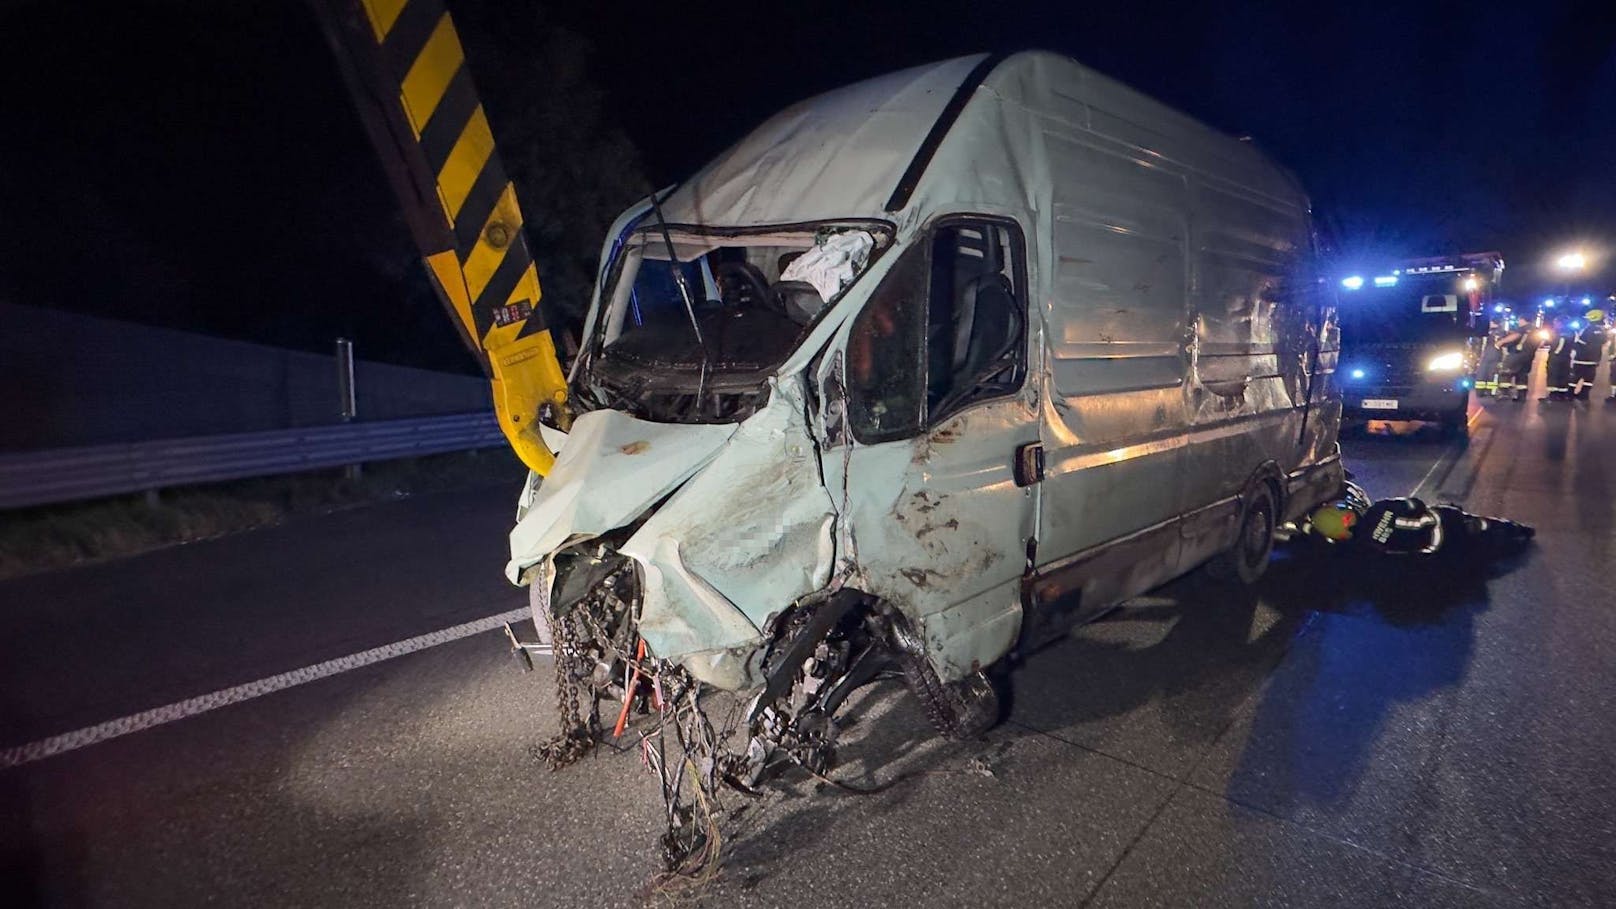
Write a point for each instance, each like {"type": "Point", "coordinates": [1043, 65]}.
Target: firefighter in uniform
{"type": "Point", "coordinates": [1409, 527]}
{"type": "Point", "coordinates": [1491, 357]}
{"type": "Point", "coordinates": [1587, 346]}
{"type": "Point", "coordinates": [1610, 357]}
{"type": "Point", "coordinates": [1518, 347]}
{"type": "Point", "coordinates": [1557, 379]}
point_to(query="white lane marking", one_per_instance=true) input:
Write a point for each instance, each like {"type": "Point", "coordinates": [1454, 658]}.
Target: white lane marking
{"type": "Point", "coordinates": [1452, 454]}
{"type": "Point", "coordinates": [157, 716]}
{"type": "Point", "coordinates": [1435, 466]}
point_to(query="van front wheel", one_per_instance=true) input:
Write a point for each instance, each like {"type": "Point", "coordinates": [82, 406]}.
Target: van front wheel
{"type": "Point", "coordinates": [1247, 559]}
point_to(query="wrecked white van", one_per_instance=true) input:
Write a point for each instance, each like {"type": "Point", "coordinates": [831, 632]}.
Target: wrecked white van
{"type": "Point", "coordinates": [920, 373]}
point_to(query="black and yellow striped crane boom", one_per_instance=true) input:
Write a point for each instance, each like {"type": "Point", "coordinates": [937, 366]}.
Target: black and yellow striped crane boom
{"type": "Point", "coordinates": [407, 72]}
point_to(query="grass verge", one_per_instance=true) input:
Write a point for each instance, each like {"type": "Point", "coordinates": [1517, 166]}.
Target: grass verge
{"type": "Point", "coordinates": [55, 536]}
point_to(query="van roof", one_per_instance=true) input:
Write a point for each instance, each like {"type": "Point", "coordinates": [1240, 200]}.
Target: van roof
{"type": "Point", "coordinates": [846, 153]}
{"type": "Point", "coordinates": [836, 155]}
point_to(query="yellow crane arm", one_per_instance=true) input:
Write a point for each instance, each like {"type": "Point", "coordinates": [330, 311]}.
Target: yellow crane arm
{"type": "Point", "coordinates": [407, 73]}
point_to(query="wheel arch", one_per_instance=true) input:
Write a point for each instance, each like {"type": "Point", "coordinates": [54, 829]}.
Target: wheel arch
{"type": "Point", "coordinates": [1269, 474]}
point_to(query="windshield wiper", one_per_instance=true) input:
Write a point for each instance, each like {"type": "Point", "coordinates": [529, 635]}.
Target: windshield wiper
{"type": "Point", "coordinates": [684, 292]}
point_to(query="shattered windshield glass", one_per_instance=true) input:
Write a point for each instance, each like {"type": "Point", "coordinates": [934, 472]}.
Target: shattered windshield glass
{"type": "Point", "coordinates": [753, 295]}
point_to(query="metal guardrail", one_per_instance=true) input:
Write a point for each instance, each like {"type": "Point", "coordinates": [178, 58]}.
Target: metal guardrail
{"type": "Point", "coordinates": [73, 474]}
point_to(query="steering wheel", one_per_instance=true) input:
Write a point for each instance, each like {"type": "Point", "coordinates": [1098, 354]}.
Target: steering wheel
{"type": "Point", "coordinates": [737, 276]}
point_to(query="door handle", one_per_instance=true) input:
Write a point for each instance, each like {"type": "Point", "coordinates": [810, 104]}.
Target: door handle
{"type": "Point", "coordinates": [1029, 465]}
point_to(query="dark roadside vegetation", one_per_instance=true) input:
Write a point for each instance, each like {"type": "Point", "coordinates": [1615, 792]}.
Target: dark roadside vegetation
{"type": "Point", "coordinates": [40, 539]}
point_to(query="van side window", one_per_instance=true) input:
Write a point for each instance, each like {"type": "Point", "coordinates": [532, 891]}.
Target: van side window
{"type": "Point", "coordinates": [946, 328]}
{"type": "Point", "coordinates": [884, 355]}
{"type": "Point", "coordinates": [976, 331]}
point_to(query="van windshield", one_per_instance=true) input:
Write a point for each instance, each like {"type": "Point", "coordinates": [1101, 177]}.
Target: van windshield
{"type": "Point", "coordinates": [752, 295]}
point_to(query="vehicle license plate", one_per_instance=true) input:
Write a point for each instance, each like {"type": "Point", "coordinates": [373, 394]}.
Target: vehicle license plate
{"type": "Point", "coordinates": [1379, 404]}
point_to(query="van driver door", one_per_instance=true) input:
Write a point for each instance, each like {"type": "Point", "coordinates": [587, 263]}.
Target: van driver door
{"type": "Point", "coordinates": [937, 404]}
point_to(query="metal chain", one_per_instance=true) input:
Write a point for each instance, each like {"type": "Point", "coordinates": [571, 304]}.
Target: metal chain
{"type": "Point", "coordinates": [574, 738]}
{"type": "Point", "coordinates": [572, 633]}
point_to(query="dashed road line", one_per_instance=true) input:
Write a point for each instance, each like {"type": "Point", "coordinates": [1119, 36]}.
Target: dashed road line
{"type": "Point", "coordinates": [158, 716]}
{"type": "Point", "coordinates": [1449, 458]}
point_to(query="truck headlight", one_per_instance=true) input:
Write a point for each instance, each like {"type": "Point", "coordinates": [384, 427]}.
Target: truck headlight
{"type": "Point", "coordinates": [1453, 361]}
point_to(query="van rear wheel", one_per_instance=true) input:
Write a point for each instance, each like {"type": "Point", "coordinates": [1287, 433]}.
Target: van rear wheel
{"type": "Point", "coordinates": [1247, 559]}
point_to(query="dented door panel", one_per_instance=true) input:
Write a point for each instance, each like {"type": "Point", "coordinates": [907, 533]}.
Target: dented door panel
{"type": "Point", "coordinates": [1114, 467]}
{"type": "Point", "coordinates": [1253, 333]}
{"type": "Point", "coordinates": [937, 526]}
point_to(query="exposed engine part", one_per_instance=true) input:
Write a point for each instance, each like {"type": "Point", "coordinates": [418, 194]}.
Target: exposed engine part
{"type": "Point", "coordinates": [821, 650]}
{"type": "Point", "coordinates": [592, 609]}
{"type": "Point", "coordinates": [693, 789]}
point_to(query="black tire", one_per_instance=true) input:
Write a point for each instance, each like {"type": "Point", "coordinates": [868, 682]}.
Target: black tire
{"type": "Point", "coordinates": [1456, 425]}
{"type": "Point", "coordinates": [539, 603]}
{"type": "Point", "coordinates": [1245, 561]}
{"type": "Point", "coordinates": [959, 711]}
{"type": "Point", "coordinates": [978, 705]}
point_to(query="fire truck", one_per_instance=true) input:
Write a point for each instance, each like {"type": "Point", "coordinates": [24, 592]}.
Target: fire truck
{"type": "Point", "coordinates": [1411, 336]}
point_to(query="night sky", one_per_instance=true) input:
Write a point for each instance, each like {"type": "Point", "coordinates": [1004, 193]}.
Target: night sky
{"type": "Point", "coordinates": [195, 163]}
{"type": "Point", "coordinates": [1417, 127]}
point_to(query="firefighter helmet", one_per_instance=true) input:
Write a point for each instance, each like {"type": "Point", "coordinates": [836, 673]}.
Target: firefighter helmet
{"type": "Point", "coordinates": [1334, 521]}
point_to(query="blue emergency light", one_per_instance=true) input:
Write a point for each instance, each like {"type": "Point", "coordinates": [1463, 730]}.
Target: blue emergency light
{"type": "Point", "coordinates": [1386, 281]}
{"type": "Point", "coordinates": [1352, 283]}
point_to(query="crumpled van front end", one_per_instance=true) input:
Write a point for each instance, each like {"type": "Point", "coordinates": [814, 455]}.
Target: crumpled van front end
{"type": "Point", "coordinates": [694, 462]}
{"type": "Point", "coordinates": [724, 525]}
{"type": "Point", "coordinates": [694, 524]}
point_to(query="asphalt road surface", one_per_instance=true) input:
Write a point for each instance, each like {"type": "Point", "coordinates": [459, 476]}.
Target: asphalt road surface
{"type": "Point", "coordinates": [1326, 739]}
